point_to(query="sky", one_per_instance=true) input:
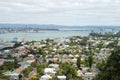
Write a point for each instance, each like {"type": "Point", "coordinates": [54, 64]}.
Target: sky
{"type": "Point", "coordinates": [60, 12]}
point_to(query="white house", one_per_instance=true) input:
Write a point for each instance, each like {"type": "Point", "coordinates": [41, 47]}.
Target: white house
{"type": "Point", "coordinates": [13, 75]}
{"type": "Point", "coordinates": [49, 71]}
{"type": "Point", "coordinates": [88, 76]}
{"type": "Point", "coordinates": [55, 66]}
{"type": "Point", "coordinates": [45, 77]}
{"type": "Point", "coordinates": [61, 77]}
{"type": "Point", "coordinates": [79, 73]}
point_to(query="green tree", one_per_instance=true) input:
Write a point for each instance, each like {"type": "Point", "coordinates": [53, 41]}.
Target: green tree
{"type": "Point", "coordinates": [17, 44]}
{"type": "Point", "coordinates": [34, 78]}
{"type": "Point", "coordinates": [111, 69]}
{"type": "Point", "coordinates": [26, 71]}
{"type": "Point", "coordinates": [55, 78]}
{"type": "Point", "coordinates": [90, 61]}
{"type": "Point", "coordinates": [20, 76]}
{"type": "Point", "coordinates": [7, 66]}
{"type": "Point", "coordinates": [78, 62]}
{"type": "Point", "coordinates": [40, 68]}
{"type": "Point", "coordinates": [68, 70]}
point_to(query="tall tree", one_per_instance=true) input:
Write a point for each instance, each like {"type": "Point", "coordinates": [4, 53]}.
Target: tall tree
{"type": "Point", "coordinates": [111, 69]}
{"type": "Point", "coordinates": [78, 62]}
{"type": "Point", "coordinates": [90, 61]}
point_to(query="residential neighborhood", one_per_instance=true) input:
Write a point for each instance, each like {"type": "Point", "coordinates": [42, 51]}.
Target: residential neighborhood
{"type": "Point", "coordinates": [72, 58]}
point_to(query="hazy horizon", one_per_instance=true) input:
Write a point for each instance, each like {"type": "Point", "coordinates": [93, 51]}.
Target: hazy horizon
{"type": "Point", "coordinates": [59, 25]}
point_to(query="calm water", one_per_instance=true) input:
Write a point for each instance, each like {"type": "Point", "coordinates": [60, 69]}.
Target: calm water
{"type": "Point", "coordinates": [42, 35]}
{"type": "Point", "coordinates": [51, 34]}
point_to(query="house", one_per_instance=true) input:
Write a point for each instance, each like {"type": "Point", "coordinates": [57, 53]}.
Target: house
{"type": "Point", "coordinates": [88, 76]}
{"type": "Point", "coordinates": [55, 66]}
{"type": "Point", "coordinates": [49, 71]}
{"type": "Point", "coordinates": [71, 56]}
{"type": "Point", "coordinates": [12, 75]}
{"type": "Point", "coordinates": [77, 55]}
{"type": "Point", "coordinates": [68, 59]}
{"type": "Point", "coordinates": [74, 60]}
{"type": "Point", "coordinates": [7, 51]}
{"type": "Point", "coordinates": [45, 77]}
{"type": "Point", "coordinates": [84, 69]}
{"type": "Point", "coordinates": [30, 56]}
{"type": "Point", "coordinates": [9, 60]}
{"type": "Point", "coordinates": [24, 64]}
{"type": "Point", "coordinates": [1, 61]}
{"type": "Point", "coordinates": [19, 70]}
{"type": "Point", "coordinates": [5, 60]}
{"type": "Point", "coordinates": [118, 43]}
{"type": "Point", "coordinates": [79, 73]}
{"type": "Point", "coordinates": [55, 59]}
{"type": "Point", "coordinates": [1, 52]}
{"type": "Point", "coordinates": [16, 55]}
{"type": "Point", "coordinates": [49, 58]}
{"type": "Point", "coordinates": [40, 60]}
{"type": "Point", "coordinates": [61, 77]}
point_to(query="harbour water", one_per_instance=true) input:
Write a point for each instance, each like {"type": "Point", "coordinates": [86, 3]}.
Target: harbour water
{"type": "Point", "coordinates": [42, 35]}
{"type": "Point", "coordinates": [63, 32]}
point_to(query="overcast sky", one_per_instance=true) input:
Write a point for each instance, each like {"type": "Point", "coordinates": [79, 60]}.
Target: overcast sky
{"type": "Point", "coordinates": [62, 12]}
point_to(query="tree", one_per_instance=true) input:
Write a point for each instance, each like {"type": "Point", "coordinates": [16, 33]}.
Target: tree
{"type": "Point", "coordinates": [84, 41]}
{"type": "Point", "coordinates": [34, 64]}
{"type": "Point", "coordinates": [68, 70]}
{"type": "Point", "coordinates": [55, 78]}
{"type": "Point", "coordinates": [17, 44]}
{"type": "Point", "coordinates": [40, 68]}
{"type": "Point", "coordinates": [26, 71]}
{"type": "Point", "coordinates": [7, 66]}
{"type": "Point", "coordinates": [16, 65]}
{"type": "Point", "coordinates": [111, 69]}
{"type": "Point", "coordinates": [20, 76]}
{"type": "Point", "coordinates": [34, 78]}
{"type": "Point", "coordinates": [90, 61]}
{"type": "Point", "coordinates": [78, 62]}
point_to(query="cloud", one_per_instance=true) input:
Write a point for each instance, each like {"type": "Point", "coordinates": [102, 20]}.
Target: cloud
{"type": "Point", "coordinates": [66, 12]}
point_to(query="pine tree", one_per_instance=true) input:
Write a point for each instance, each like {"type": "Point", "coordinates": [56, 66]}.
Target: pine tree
{"type": "Point", "coordinates": [78, 62]}
{"type": "Point", "coordinates": [90, 61]}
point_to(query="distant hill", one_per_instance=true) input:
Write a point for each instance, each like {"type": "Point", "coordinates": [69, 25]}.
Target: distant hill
{"type": "Point", "coordinates": [51, 26]}
{"type": "Point", "coordinates": [30, 25]}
